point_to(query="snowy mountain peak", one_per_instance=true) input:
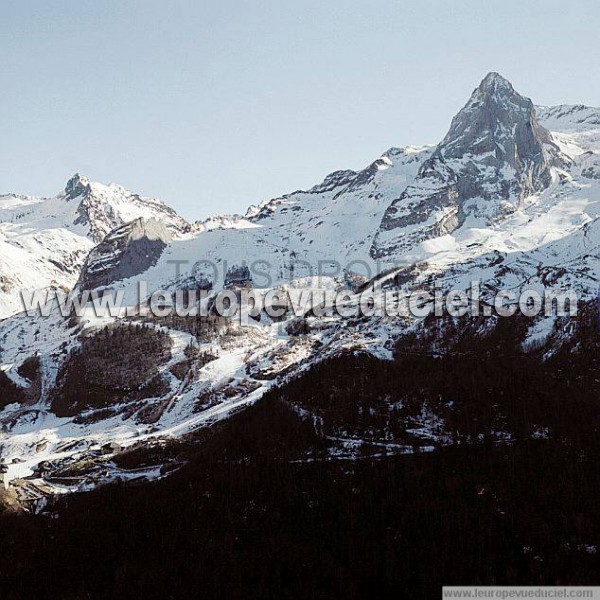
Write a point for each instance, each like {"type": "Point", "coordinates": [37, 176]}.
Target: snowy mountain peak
{"type": "Point", "coordinates": [499, 121]}
{"type": "Point", "coordinates": [494, 155]}
{"type": "Point", "coordinates": [78, 185]}
{"type": "Point", "coordinates": [102, 208]}
{"type": "Point", "coordinates": [493, 83]}
{"type": "Point", "coordinates": [44, 241]}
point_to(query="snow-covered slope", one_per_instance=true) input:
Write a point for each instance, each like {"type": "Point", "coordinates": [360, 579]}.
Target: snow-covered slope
{"type": "Point", "coordinates": [44, 241]}
{"type": "Point", "coordinates": [337, 219]}
{"type": "Point", "coordinates": [221, 222]}
{"type": "Point", "coordinates": [510, 197]}
{"type": "Point", "coordinates": [327, 229]}
{"type": "Point", "coordinates": [498, 182]}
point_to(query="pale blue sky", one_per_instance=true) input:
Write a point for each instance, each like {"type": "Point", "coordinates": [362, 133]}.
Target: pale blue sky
{"type": "Point", "coordinates": [212, 106]}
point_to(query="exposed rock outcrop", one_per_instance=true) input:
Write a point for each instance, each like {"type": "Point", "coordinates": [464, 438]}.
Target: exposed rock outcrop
{"type": "Point", "coordinates": [126, 251]}
{"type": "Point", "coordinates": [494, 155]}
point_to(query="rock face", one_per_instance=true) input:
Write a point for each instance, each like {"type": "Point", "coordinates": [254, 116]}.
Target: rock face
{"type": "Point", "coordinates": [126, 251]}
{"type": "Point", "coordinates": [238, 276]}
{"type": "Point", "coordinates": [494, 155]}
{"type": "Point", "coordinates": [498, 129]}
{"type": "Point", "coordinates": [590, 165]}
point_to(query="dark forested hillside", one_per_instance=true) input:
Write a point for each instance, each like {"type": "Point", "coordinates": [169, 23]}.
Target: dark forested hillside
{"type": "Point", "coordinates": [263, 509]}
{"type": "Point", "coordinates": [109, 366]}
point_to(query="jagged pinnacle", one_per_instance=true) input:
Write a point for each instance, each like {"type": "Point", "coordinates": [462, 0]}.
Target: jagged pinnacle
{"type": "Point", "coordinates": [76, 185]}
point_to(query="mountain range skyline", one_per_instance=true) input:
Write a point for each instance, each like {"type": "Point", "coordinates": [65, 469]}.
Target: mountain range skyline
{"type": "Point", "coordinates": [218, 128]}
{"type": "Point", "coordinates": [244, 210]}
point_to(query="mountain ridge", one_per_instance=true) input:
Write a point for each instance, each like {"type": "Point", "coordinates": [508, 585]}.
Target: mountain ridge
{"type": "Point", "coordinates": [513, 211]}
